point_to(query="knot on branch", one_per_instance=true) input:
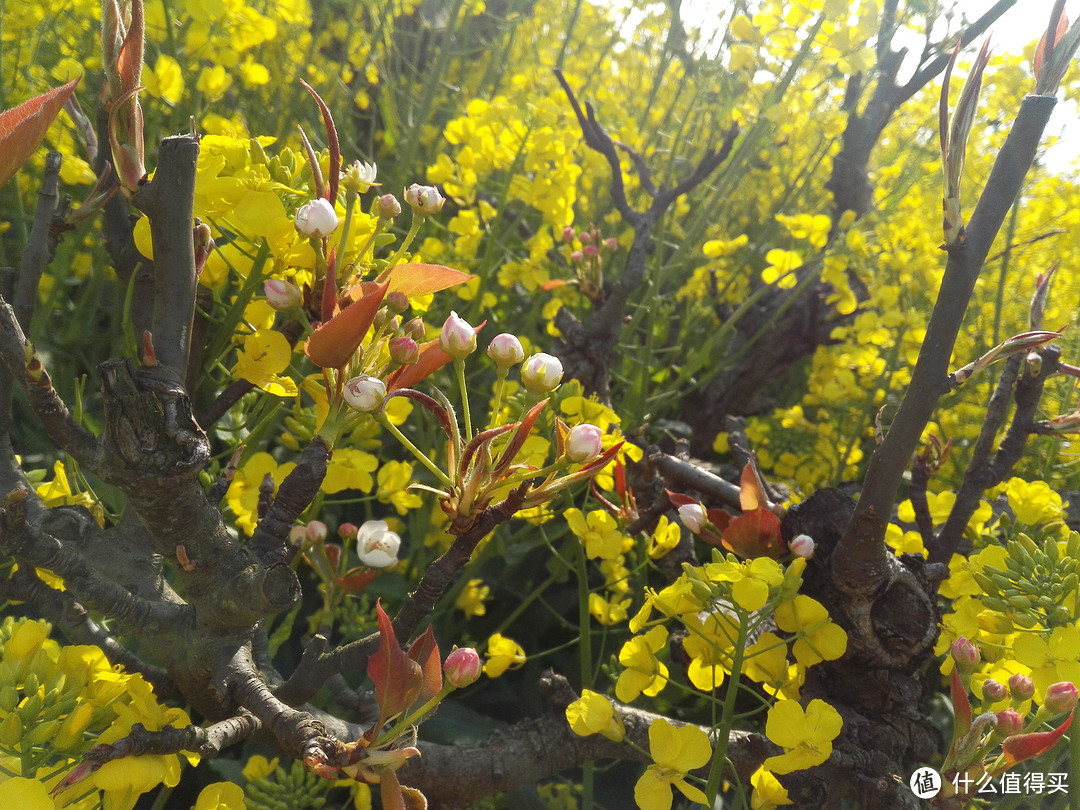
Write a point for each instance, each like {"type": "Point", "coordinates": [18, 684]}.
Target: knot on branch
{"type": "Point", "coordinates": [149, 425]}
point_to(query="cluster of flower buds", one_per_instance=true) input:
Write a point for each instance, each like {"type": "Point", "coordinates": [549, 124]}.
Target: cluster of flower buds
{"type": "Point", "coordinates": [973, 752]}
{"type": "Point", "coordinates": [1028, 591]}
{"type": "Point", "coordinates": [587, 260]}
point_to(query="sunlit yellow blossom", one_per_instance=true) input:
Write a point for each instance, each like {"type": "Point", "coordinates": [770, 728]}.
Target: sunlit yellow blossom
{"type": "Point", "coordinates": [665, 537]}
{"type": "Point", "coordinates": [1052, 659]}
{"type": "Point", "coordinates": [1033, 502]}
{"type": "Point", "coordinates": [265, 355]}
{"type": "Point", "coordinates": [243, 492]}
{"type": "Point", "coordinates": [502, 653]}
{"type": "Point", "coordinates": [221, 796]}
{"type": "Point", "coordinates": [750, 579]}
{"type": "Point", "coordinates": [768, 792]}
{"type": "Point", "coordinates": [349, 468]}
{"type": "Point", "coordinates": [394, 477]}
{"type": "Point", "coordinates": [806, 737]}
{"type": "Point", "coordinates": [593, 713]}
{"type": "Point", "coordinates": [599, 531]}
{"type": "Point", "coordinates": [821, 638]}
{"type": "Point", "coordinates": [675, 751]}
{"type": "Point", "coordinates": [643, 673]}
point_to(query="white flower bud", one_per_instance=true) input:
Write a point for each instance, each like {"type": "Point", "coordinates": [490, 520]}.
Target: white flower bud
{"type": "Point", "coordinates": [802, 546]}
{"type": "Point", "coordinates": [424, 200]}
{"type": "Point", "coordinates": [506, 350]}
{"type": "Point", "coordinates": [457, 338]}
{"type": "Point", "coordinates": [376, 545]}
{"type": "Point", "coordinates": [282, 295]}
{"type": "Point", "coordinates": [316, 218]}
{"type": "Point", "coordinates": [364, 393]}
{"type": "Point", "coordinates": [693, 516]}
{"type": "Point", "coordinates": [584, 443]}
{"type": "Point", "coordinates": [541, 373]}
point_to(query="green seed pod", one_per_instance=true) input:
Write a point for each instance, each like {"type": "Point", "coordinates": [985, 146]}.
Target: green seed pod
{"type": "Point", "coordinates": [1025, 620]}
{"type": "Point", "coordinates": [985, 583]}
{"type": "Point", "coordinates": [11, 731]}
{"type": "Point", "coordinates": [1050, 549]}
{"type": "Point", "coordinates": [71, 730]}
{"type": "Point", "coordinates": [1029, 544]}
{"type": "Point", "coordinates": [996, 603]}
{"type": "Point", "coordinates": [1020, 602]}
{"type": "Point", "coordinates": [43, 732]}
{"type": "Point", "coordinates": [31, 683]}
{"type": "Point", "coordinates": [1003, 582]}
{"type": "Point", "coordinates": [30, 709]}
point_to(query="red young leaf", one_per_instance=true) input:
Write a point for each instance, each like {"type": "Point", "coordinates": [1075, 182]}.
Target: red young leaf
{"type": "Point", "coordinates": [431, 359]}
{"type": "Point", "coordinates": [751, 492]}
{"type": "Point", "coordinates": [961, 705]}
{"type": "Point", "coordinates": [754, 534]}
{"type": "Point", "coordinates": [352, 583]}
{"type": "Point", "coordinates": [425, 652]}
{"type": "Point", "coordinates": [334, 170]}
{"type": "Point", "coordinates": [524, 428]}
{"type": "Point", "coordinates": [415, 279]}
{"type": "Point", "coordinates": [678, 499]}
{"type": "Point", "coordinates": [396, 676]}
{"type": "Point", "coordinates": [552, 284]}
{"type": "Point", "coordinates": [1040, 49]}
{"type": "Point", "coordinates": [333, 343]}
{"type": "Point", "coordinates": [1020, 747]}
{"type": "Point", "coordinates": [22, 128]}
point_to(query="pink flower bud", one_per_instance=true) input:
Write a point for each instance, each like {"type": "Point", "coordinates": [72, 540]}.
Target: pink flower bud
{"type": "Point", "coordinates": [585, 238]}
{"type": "Point", "coordinates": [376, 545]}
{"type": "Point", "coordinates": [462, 667]}
{"type": "Point", "coordinates": [387, 207]}
{"type": "Point", "coordinates": [316, 218]}
{"type": "Point", "coordinates": [541, 373]}
{"type": "Point", "coordinates": [584, 443]}
{"type": "Point", "coordinates": [364, 393]}
{"type": "Point", "coordinates": [1021, 687]}
{"type": "Point", "coordinates": [693, 517]}
{"type": "Point", "coordinates": [397, 301]}
{"type": "Point", "coordinates": [424, 200]}
{"type": "Point", "coordinates": [577, 257]}
{"type": "Point", "coordinates": [404, 350]}
{"type": "Point", "coordinates": [1009, 722]}
{"type": "Point", "coordinates": [965, 654]}
{"type": "Point", "coordinates": [611, 243]}
{"type": "Point", "coordinates": [506, 350]}
{"type": "Point", "coordinates": [590, 251]}
{"type": "Point", "coordinates": [1060, 697]}
{"type": "Point", "coordinates": [414, 328]}
{"type": "Point", "coordinates": [993, 691]}
{"type": "Point", "coordinates": [347, 531]}
{"type": "Point", "coordinates": [282, 295]}
{"type": "Point", "coordinates": [802, 545]}
{"type": "Point", "coordinates": [204, 244]}
{"type": "Point", "coordinates": [568, 234]}
{"type": "Point", "coordinates": [315, 532]}
{"type": "Point", "coordinates": [297, 535]}
{"type": "Point", "coordinates": [457, 338]}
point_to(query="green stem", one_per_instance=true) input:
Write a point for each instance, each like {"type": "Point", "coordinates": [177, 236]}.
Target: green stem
{"type": "Point", "coordinates": [412, 448]}
{"type": "Point", "coordinates": [585, 657]}
{"type": "Point", "coordinates": [414, 229]}
{"type": "Point", "coordinates": [716, 770]}
{"type": "Point", "coordinates": [500, 387]}
{"type": "Point", "coordinates": [412, 718]}
{"type": "Point", "coordinates": [350, 205]}
{"type": "Point", "coordinates": [1074, 769]}
{"type": "Point", "coordinates": [459, 372]}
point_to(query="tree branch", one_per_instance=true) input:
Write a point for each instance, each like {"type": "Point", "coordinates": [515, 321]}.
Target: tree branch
{"type": "Point", "coordinates": [168, 200]}
{"type": "Point", "coordinates": [861, 559]}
